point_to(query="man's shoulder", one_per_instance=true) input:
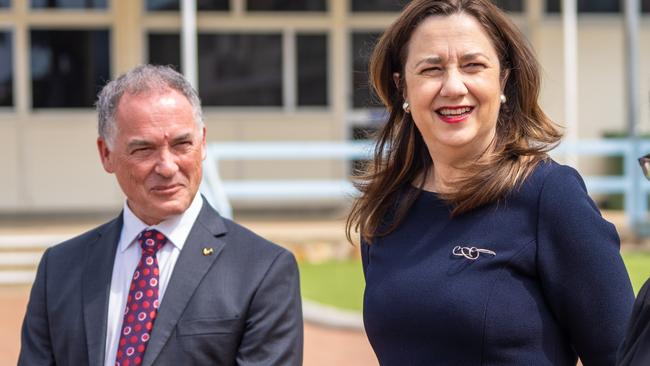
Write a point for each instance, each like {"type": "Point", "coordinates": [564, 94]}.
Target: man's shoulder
{"type": "Point", "coordinates": [78, 242]}
{"type": "Point", "coordinates": [249, 241]}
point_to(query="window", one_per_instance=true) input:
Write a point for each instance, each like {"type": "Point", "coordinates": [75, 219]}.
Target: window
{"type": "Point", "coordinates": [240, 69]}
{"type": "Point", "coordinates": [595, 6]}
{"type": "Point", "coordinates": [286, 5]}
{"type": "Point", "coordinates": [312, 69]}
{"type": "Point", "coordinates": [156, 5]}
{"type": "Point", "coordinates": [377, 5]}
{"type": "Point", "coordinates": [510, 5]}
{"type": "Point", "coordinates": [362, 45]}
{"type": "Point", "coordinates": [6, 73]}
{"type": "Point", "coordinates": [69, 4]}
{"type": "Point", "coordinates": [68, 67]}
{"type": "Point", "coordinates": [165, 49]}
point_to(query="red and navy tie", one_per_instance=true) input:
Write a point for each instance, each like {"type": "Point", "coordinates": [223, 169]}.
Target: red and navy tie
{"type": "Point", "coordinates": [142, 303]}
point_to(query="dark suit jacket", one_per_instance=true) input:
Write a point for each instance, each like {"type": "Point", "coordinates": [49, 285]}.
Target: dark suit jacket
{"type": "Point", "coordinates": [635, 350]}
{"type": "Point", "coordinates": [238, 306]}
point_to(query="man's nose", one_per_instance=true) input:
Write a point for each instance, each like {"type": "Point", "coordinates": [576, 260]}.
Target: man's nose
{"type": "Point", "coordinates": [453, 84]}
{"type": "Point", "coordinates": [166, 165]}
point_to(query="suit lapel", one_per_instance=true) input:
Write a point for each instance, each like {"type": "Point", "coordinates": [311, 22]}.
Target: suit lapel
{"type": "Point", "coordinates": [98, 269]}
{"type": "Point", "coordinates": [190, 268]}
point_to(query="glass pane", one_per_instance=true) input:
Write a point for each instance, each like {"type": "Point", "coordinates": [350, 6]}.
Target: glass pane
{"type": "Point", "coordinates": [5, 3]}
{"type": "Point", "coordinates": [362, 45]}
{"type": "Point", "coordinates": [165, 49]}
{"type": "Point", "coordinates": [378, 5]}
{"type": "Point", "coordinates": [645, 6]}
{"type": "Point", "coordinates": [312, 69]}
{"type": "Point", "coordinates": [286, 5]}
{"type": "Point", "coordinates": [156, 5]}
{"type": "Point", "coordinates": [240, 69]}
{"type": "Point", "coordinates": [510, 5]}
{"type": "Point", "coordinates": [69, 4]}
{"type": "Point", "coordinates": [6, 73]}
{"type": "Point", "coordinates": [586, 6]}
{"type": "Point", "coordinates": [68, 67]}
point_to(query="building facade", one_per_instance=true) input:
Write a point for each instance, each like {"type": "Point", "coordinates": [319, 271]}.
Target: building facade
{"type": "Point", "coordinates": [268, 70]}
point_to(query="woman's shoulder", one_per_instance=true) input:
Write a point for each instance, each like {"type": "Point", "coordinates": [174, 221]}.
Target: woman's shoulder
{"type": "Point", "coordinates": [550, 175]}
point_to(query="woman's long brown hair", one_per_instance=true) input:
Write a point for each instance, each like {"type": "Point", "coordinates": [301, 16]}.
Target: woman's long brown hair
{"type": "Point", "coordinates": [524, 134]}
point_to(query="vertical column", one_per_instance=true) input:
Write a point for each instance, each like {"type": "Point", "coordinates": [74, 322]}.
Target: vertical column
{"type": "Point", "coordinates": [534, 12]}
{"type": "Point", "coordinates": [189, 56]}
{"type": "Point", "coordinates": [635, 200]}
{"type": "Point", "coordinates": [339, 66]}
{"type": "Point", "coordinates": [127, 45]}
{"type": "Point", "coordinates": [22, 97]}
{"type": "Point", "coordinates": [289, 71]}
{"type": "Point", "coordinates": [570, 29]}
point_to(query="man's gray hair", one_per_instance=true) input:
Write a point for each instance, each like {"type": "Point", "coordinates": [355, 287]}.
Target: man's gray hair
{"type": "Point", "coordinates": [142, 79]}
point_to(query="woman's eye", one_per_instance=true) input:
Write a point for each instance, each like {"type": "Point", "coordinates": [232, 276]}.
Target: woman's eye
{"type": "Point", "coordinates": [474, 66]}
{"type": "Point", "coordinates": [430, 70]}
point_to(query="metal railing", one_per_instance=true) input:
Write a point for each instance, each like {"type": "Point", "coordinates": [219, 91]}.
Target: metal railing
{"type": "Point", "coordinates": [631, 183]}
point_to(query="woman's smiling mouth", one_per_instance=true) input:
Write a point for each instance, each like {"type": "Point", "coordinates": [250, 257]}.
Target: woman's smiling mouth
{"type": "Point", "coordinates": [454, 114]}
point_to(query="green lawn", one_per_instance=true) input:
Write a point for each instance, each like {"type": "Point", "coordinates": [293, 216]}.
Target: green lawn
{"type": "Point", "coordinates": [341, 283]}
{"type": "Point", "coordinates": [337, 283]}
{"type": "Point", "coordinates": [638, 266]}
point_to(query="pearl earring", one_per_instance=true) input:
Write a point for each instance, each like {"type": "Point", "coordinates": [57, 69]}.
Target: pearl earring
{"type": "Point", "coordinates": [503, 99]}
{"type": "Point", "coordinates": [406, 107]}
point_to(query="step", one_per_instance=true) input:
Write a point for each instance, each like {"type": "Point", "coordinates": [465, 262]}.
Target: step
{"type": "Point", "coordinates": [14, 241]}
{"type": "Point", "coordinates": [17, 277]}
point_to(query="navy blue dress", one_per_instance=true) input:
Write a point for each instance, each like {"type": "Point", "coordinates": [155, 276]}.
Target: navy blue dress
{"type": "Point", "coordinates": [556, 287]}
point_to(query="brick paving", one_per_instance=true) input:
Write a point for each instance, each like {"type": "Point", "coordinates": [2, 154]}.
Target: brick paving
{"type": "Point", "coordinates": [323, 346]}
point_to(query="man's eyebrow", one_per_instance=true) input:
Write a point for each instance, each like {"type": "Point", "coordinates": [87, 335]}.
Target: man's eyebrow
{"type": "Point", "coordinates": [183, 137]}
{"type": "Point", "coordinates": [139, 143]}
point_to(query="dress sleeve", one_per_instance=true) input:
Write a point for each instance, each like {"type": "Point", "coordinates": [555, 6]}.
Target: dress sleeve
{"type": "Point", "coordinates": [580, 267]}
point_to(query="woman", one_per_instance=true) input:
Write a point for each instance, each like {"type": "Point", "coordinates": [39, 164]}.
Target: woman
{"type": "Point", "coordinates": [635, 350]}
{"type": "Point", "coordinates": [477, 248]}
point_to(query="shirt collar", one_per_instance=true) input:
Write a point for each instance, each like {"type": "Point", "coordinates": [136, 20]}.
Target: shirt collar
{"type": "Point", "coordinates": [176, 228]}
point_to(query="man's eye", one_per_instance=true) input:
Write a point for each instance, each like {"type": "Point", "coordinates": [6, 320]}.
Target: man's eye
{"type": "Point", "coordinates": [141, 150]}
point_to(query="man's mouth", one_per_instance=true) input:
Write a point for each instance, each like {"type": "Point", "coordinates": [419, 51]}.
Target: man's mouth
{"type": "Point", "coordinates": [166, 189]}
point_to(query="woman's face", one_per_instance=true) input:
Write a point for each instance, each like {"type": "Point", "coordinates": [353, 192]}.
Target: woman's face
{"type": "Point", "coordinates": [453, 86]}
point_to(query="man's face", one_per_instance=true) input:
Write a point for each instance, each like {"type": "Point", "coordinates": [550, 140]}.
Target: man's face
{"type": "Point", "coordinates": [156, 153]}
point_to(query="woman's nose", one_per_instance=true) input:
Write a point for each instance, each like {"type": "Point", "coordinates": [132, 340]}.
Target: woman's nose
{"type": "Point", "coordinates": [453, 84]}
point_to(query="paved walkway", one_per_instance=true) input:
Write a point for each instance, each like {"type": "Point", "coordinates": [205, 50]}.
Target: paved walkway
{"type": "Point", "coordinates": [323, 346]}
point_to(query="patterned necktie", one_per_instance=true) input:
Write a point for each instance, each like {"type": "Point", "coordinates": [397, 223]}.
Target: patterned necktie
{"type": "Point", "coordinates": [142, 303]}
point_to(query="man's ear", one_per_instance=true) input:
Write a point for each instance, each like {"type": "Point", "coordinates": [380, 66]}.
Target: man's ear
{"type": "Point", "coordinates": [204, 148]}
{"type": "Point", "coordinates": [105, 155]}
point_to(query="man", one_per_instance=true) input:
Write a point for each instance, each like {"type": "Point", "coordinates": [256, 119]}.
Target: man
{"type": "Point", "coordinates": [167, 282]}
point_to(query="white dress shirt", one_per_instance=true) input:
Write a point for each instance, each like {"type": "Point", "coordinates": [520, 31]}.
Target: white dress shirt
{"type": "Point", "coordinates": [127, 256]}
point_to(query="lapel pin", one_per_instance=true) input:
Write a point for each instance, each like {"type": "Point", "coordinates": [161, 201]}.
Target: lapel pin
{"type": "Point", "coordinates": [207, 251]}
